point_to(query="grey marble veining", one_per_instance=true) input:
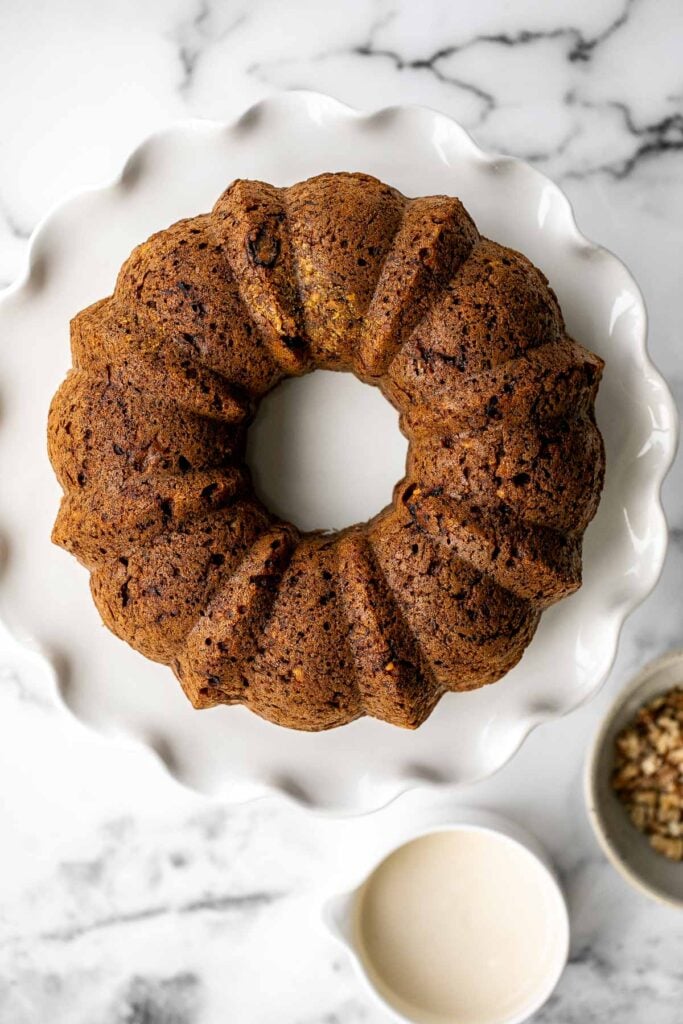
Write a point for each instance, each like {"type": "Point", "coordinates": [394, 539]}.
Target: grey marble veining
{"type": "Point", "coordinates": [124, 899]}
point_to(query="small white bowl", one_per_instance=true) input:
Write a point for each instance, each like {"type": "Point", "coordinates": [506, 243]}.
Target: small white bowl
{"type": "Point", "coordinates": [626, 847]}
{"type": "Point", "coordinates": [340, 912]}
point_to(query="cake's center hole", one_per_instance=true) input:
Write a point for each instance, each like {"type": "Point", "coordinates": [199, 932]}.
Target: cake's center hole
{"type": "Point", "coordinates": [325, 451]}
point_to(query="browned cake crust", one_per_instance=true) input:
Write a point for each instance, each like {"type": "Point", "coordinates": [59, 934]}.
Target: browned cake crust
{"type": "Point", "coordinates": [444, 588]}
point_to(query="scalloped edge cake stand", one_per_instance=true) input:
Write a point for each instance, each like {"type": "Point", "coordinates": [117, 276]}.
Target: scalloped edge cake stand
{"type": "Point", "coordinates": [44, 596]}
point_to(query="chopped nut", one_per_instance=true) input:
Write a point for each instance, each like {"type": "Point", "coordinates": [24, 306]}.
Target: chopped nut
{"type": "Point", "coordinates": [629, 745]}
{"type": "Point", "coordinates": [648, 772]}
{"type": "Point", "coordinates": [671, 848]}
{"type": "Point", "coordinates": [669, 724]}
{"type": "Point", "coordinates": [664, 743]}
{"type": "Point", "coordinates": [668, 804]}
{"type": "Point", "coordinates": [298, 673]}
{"type": "Point", "coordinates": [639, 817]}
{"type": "Point", "coordinates": [629, 773]}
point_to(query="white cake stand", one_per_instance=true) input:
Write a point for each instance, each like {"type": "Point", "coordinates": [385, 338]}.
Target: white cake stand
{"type": "Point", "coordinates": [44, 595]}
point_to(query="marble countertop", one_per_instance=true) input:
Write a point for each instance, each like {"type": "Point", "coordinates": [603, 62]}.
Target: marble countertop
{"type": "Point", "coordinates": [123, 899]}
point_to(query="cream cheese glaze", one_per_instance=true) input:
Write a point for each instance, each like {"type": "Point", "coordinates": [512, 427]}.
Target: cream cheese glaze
{"type": "Point", "coordinates": [461, 926]}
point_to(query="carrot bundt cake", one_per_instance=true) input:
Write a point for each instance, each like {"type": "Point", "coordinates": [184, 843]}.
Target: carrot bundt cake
{"type": "Point", "coordinates": [444, 588]}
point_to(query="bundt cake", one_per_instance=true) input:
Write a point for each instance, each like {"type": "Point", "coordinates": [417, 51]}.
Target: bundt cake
{"type": "Point", "coordinates": [444, 588]}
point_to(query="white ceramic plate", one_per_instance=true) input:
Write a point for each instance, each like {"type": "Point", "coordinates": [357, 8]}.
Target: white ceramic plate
{"type": "Point", "coordinates": [44, 593]}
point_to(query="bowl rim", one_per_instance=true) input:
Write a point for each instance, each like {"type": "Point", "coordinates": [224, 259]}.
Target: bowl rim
{"type": "Point", "coordinates": [590, 778]}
